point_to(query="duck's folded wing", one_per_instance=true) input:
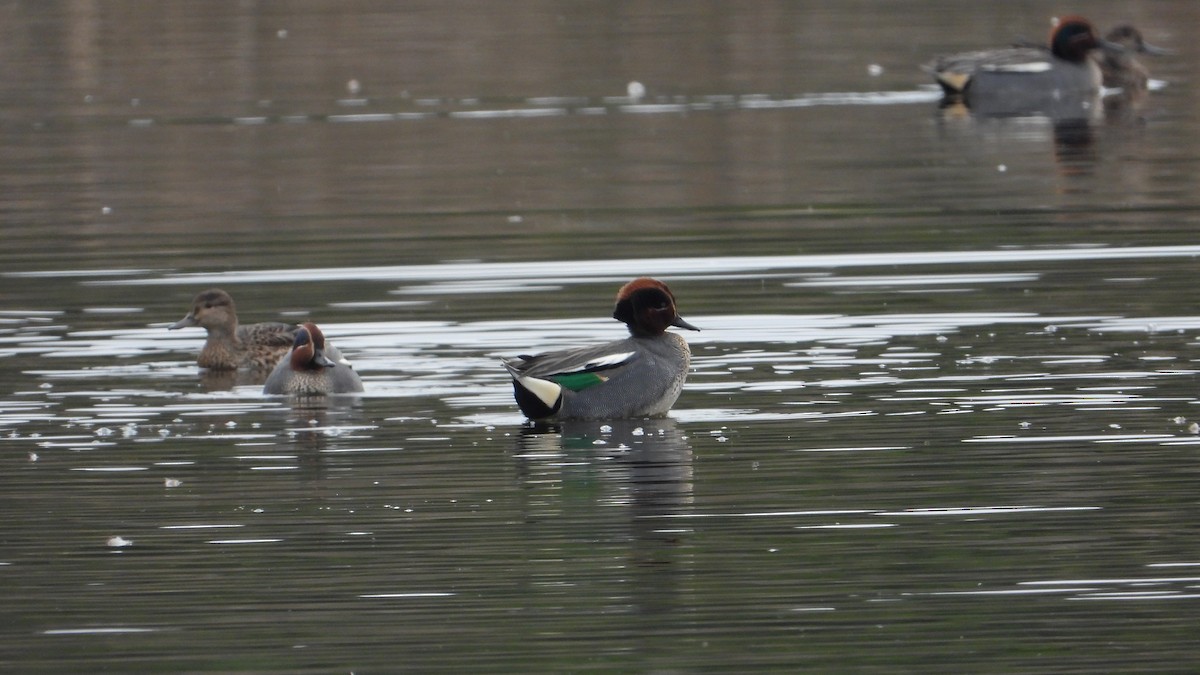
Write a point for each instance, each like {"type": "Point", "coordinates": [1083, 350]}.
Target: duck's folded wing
{"type": "Point", "coordinates": [271, 333]}
{"type": "Point", "coordinates": [954, 72]}
{"type": "Point", "coordinates": [1025, 60]}
{"type": "Point", "coordinates": [573, 369]}
{"type": "Point", "coordinates": [334, 354]}
{"type": "Point", "coordinates": [1018, 59]}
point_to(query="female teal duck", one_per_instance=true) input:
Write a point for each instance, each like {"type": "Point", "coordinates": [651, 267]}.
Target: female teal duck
{"type": "Point", "coordinates": [1061, 81]}
{"type": "Point", "coordinates": [640, 376]}
{"type": "Point", "coordinates": [230, 346]}
{"type": "Point", "coordinates": [1120, 68]}
{"type": "Point", "coordinates": [313, 368]}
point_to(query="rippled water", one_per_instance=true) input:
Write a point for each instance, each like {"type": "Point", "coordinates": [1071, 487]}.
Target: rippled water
{"type": "Point", "coordinates": [942, 414]}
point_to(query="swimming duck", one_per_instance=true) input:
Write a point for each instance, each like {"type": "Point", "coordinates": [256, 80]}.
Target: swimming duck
{"type": "Point", "coordinates": [640, 376]}
{"type": "Point", "coordinates": [1120, 67]}
{"type": "Point", "coordinates": [313, 368]}
{"type": "Point", "coordinates": [1062, 81]}
{"type": "Point", "coordinates": [230, 346]}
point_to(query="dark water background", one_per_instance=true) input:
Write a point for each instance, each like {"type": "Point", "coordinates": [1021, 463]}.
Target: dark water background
{"type": "Point", "coordinates": [941, 417]}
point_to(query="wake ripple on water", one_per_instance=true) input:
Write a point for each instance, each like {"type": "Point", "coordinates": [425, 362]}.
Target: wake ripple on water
{"type": "Point", "coordinates": [471, 108]}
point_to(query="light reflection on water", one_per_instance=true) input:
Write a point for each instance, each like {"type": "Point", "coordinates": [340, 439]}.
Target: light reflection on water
{"type": "Point", "coordinates": [482, 276]}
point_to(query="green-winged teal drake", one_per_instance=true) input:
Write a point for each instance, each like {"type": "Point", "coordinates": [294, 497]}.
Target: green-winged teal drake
{"type": "Point", "coordinates": [312, 368]}
{"type": "Point", "coordinates": [1062, 81]}
{"type": "Point", "coordinates": [639, 376]}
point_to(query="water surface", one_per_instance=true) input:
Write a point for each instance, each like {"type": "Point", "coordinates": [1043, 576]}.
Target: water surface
{"type": "Point", "coordinates": [942, 414]}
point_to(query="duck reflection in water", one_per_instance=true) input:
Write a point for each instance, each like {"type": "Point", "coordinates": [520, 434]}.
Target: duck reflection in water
{"type": "Point", "coordinates": [575, 473]}
{"type": "Point", "coordinates": [317, 430]}
{"type": "Point", "coordinates": [1074, 147]}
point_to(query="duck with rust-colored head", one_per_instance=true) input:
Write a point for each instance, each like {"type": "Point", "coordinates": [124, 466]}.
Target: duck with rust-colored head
{"type": "Point", "coordinates": [230, 346]}
{"type": "Point", "coordinates": [1063, 80]}
{"type": "Point", "coordinates": [640, 376]}
{"type": "Point", "coordinates": [312, 368]}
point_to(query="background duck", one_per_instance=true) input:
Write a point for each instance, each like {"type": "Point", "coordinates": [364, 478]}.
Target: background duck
{"type": "Point", "coordinates": [1120, 68]}
{"type": "Point", "coordinates": [230, 346]}
{"type": "Point", "coordinates": [1061, 81]}
{"type": "Point", "coordinates": [639, 376]}
{"type": "Point", "coordinates": [313, 368]}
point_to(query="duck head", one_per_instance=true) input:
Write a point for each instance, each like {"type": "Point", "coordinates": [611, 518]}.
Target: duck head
{"type": "Point", "coordinates": [647, 307]}
{"type": "Point", "coordinates": [212, 309]}
{"type": "Point", "coordinates": [1131, 40]}
{"type": "Point", "coordinates": [1072, 38]}
{"type": "Point", "coordinates": [308, 350]}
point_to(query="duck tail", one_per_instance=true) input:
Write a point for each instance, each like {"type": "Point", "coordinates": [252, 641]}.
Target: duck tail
{"type": "Point", "coordinates": [537, 398]}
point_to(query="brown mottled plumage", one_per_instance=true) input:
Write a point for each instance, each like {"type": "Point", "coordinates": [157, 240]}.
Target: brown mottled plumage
{"type": "Point", "coordinates": [1121, 67]}
{"type": "Point", "coordinates": [229, 346]}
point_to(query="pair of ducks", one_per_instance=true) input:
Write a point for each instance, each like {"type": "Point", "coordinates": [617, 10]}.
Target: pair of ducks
{"type": "Point", "coordinates": [639, 376]}
{"type": "Point", "coordinates": [1072, 69]}
{"type": "Point", "coordinates": [311, 367]}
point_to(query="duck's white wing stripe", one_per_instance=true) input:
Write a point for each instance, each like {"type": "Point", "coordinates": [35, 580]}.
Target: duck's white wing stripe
{"type": "Point", "coordinates": [1029, 67]}
{"type": "Point", "coordinates": [608, 361]}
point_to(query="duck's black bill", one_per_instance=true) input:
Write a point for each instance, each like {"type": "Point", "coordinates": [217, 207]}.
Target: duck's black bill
{"type": "Point", "coordinates": [680, 323]}
{"type": "Point", "coordinates": [1153, 50]}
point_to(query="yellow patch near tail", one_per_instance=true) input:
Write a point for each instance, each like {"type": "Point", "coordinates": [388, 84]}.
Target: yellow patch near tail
{"type": "Point", "coordinates": [953, 81]}
{"type": "Point", "coordinates": [547, 392]}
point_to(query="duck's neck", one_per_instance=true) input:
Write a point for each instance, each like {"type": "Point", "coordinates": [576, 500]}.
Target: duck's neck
{"type": "Point", "coordinates": [225, 334]}
{"type": "Point", "coordinates": [644, 334]}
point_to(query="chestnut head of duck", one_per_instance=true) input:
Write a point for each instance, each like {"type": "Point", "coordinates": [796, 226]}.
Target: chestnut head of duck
{"type": "Point", "coordinates": [647, 307]}
{"type": "Point", "coordinates": [312, 368]}
{"type": "Point", "coordinates": [308, 349]}
{"type": "Point", "coordinates": [1072, 38]}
